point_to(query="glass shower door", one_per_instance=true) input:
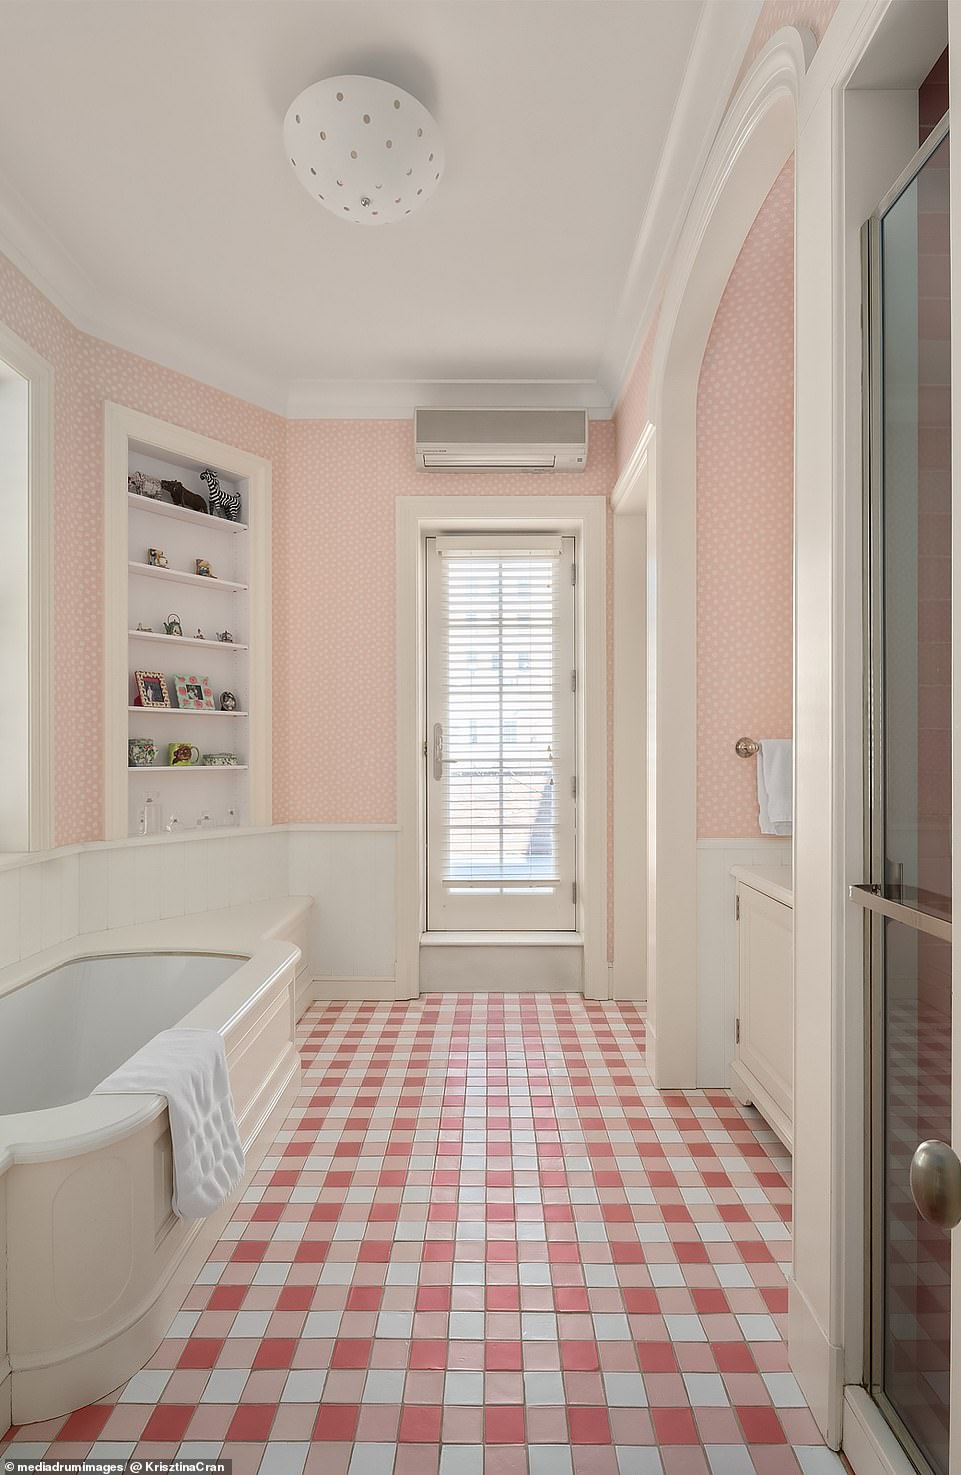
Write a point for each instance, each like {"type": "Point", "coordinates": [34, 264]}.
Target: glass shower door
{"type": "Point", "coordinates": [915, 1188]}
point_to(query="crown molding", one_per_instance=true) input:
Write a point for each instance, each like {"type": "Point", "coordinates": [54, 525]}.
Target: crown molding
{"type": "Point", "coordinates": [397, 399]}
{"type": "Point", "coordinates": [717, 54]}
{"type": "Point", "coordinates": [756, 138]}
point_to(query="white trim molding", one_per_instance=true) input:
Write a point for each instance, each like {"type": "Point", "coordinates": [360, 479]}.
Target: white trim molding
{"type": "Point", "coordinates": [629, 900]}
{"type": "Point", "coordinates": [121, 426]}
{"type": "Point", "coordinates": [756, 139]}
{"type": "Point", "coordinates": [586, 517]}
{"type": "Point", "coordinates": [869, 1444]}
{"type": "Point", "coordinates": [717, 54]}
{"type": "Point", "coordinates": [35, 832]}
{"type": "Point", "coordinates": [45, 258]}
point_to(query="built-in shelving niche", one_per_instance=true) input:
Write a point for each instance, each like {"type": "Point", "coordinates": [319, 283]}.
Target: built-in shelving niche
{"type": "Point", "coordinates": [143, 592]}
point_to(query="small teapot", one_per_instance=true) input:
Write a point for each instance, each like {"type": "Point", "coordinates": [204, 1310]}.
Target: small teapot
{"type": "Point", "coordinates": [172, 625]}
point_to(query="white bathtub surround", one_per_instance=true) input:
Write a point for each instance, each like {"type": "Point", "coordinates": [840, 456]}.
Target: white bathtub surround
{"type": "Point", "coordinates": [775, 786]}
{"type": "Point", "coordinates": [52, 897]}
{"type": "Point", "coordinates": [717, 946]}
{"type": "Point", "coordinates": [90, 1298]}
{"type": "Point", "coordinates": [188, 1067]}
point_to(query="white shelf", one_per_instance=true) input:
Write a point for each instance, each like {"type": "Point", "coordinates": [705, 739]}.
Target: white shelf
{"type": "Point", "coordinates": [186, 712]}
{"type": "Point", "coordinates": [188, 768]}
{"type": "Point", "coordinates": [148, 570]}
{"type": "Point", "coordinates": [186, 640]}
{"type": "Point", "coordinates": [136, 590]}
{"type": "Point", "coordinates": [184, 514]}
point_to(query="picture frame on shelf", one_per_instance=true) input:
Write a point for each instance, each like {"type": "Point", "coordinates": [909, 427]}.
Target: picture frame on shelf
{"type": "Point", "coordinates": [152, 689]}
{"type": "Point", "coordinates": [194, 693]}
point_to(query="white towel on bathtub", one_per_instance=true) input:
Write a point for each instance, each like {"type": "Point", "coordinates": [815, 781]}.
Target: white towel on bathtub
{"type": "Point", "coordinates": [775, 786]}
{"type": "Point", "coordinates": [189, 1067]}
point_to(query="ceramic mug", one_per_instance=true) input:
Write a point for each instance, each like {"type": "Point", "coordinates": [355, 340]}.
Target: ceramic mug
{"type": "Point", "coordinates": [182, 755]}
{"type": "Point", "coordinates": [141, 752]}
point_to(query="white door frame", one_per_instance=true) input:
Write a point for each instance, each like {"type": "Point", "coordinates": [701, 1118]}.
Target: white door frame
{"type": "Point", "coordinates": [630, 736]}
{"type": "Point", "coordinates": [586, 518]}
{"type": "Point", "coordinates": [852, 137]}
{"type": "Point", "coordinates": [755, 141]}
{"type": "Point", "coordinates": [36, 826]}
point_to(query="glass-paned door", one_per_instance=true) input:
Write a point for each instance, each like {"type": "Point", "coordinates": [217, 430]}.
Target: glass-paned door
{"type": "Point", "coordinates": [915, 1179]}
{"type": "Point", "coordinates": [500, 724]}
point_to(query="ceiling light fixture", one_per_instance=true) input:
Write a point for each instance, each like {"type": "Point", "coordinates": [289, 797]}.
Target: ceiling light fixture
{"type": "Point", "coordinates": [367, 150]}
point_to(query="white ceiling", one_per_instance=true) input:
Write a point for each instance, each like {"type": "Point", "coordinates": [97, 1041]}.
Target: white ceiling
{"type": "Point", "coordinates": [146, 187]}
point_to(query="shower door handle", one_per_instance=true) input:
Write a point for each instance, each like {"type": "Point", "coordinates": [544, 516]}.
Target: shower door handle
{"type": "Point", "coordinates": [936, 1184]}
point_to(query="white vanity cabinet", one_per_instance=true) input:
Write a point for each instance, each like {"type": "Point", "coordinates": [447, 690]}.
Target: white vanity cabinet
{"type": "Point", "coordinates": [762, 1073]}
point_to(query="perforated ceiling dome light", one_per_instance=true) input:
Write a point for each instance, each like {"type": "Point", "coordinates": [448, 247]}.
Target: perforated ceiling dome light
{"type": "Point", "coordinates": [367, 150]}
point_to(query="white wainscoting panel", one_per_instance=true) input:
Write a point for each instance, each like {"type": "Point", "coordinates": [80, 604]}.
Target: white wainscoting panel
{"type": "Point", "coordinates": [350, 872]}
{"type": "Point", "coordinates": [717, 946]}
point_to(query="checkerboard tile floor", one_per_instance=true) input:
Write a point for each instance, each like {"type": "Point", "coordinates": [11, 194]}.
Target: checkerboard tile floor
{"type": "Point", "coordinates": [484, 1244]}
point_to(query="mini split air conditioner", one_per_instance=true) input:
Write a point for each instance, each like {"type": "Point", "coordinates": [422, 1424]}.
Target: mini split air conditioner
{"type": "Point", "coordinates": [500, 440]}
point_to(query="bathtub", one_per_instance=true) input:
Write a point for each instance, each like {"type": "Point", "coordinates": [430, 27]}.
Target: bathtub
{"type": "Point", "coordinates": [96, 1261]}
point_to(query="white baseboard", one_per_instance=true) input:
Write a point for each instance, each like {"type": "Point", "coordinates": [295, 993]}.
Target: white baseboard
{"type": "Point", "coordinates": [6, 1396]}
{"type": "Point", "coordinates": [628, 982]}
{"type": "Point", "coordinates": [323, 990]}
{"type": "Point", "coordinates": [452, 969]}
{"type": "Point", "coordinates": [867, 1442]}
{"type": "Point", "coordinates": [817, 1364]}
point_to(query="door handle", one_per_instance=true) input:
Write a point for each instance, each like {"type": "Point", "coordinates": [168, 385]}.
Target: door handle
{"type": "Point", "coordinates": [936, 1183]}
{"type": "Point", "coordinates": [439, 759]}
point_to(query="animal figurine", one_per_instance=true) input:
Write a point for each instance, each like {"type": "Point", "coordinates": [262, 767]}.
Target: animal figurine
{"type": "Point", "coordinates": [181, 496]}
{"type": "Point", "coordinates": [225, 637]}
{"type": "Point", "coordinates": [227, 502]}
{"type": "Point", "coordinates": [143, 485]}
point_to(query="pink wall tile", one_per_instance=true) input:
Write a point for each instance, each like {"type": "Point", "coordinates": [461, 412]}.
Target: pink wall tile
{"type": "Point", "coordinates": [745, 501]}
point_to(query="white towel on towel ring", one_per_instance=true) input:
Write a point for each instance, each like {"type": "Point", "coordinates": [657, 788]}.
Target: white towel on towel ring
{"type": "Point", "coordinates": [189, 1067]}
{"type": "Point", "coordinates": [775, 786]}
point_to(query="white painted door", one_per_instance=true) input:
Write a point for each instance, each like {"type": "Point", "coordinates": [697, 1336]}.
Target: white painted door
{"type": "Point", "coordinates": [500, 733]}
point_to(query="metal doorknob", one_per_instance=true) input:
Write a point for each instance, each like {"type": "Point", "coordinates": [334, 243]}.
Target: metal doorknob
{"type": "Point", "coordinates": [936, 1184]}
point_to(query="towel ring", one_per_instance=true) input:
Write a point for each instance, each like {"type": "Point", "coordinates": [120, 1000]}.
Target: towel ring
{"type": "Point", "coordinates": [747, 748]}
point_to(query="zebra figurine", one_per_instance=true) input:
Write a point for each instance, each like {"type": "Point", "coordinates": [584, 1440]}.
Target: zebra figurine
{"type": "Point", "coordinates": [227, 502]}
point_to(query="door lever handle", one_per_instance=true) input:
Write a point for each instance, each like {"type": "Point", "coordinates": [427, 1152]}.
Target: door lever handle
{"type": "Point", "coordinates": [439, 759]}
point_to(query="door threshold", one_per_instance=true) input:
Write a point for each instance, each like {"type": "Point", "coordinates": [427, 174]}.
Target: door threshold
{"type": "Point", "coordinates": [867, 1440]}
{"type": "Point", "coordinates": [501, 939]}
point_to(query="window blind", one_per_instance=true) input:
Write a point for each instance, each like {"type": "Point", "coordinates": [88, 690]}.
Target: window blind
{"type": "Point", "coordinates": [501, 744]}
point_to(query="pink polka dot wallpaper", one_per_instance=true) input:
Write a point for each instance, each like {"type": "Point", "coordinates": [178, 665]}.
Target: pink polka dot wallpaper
{"type": "Point", "coordinates": [745, 519]}
{"type": "Point", "coordinates": [335, 483]}
{"type": "Point", "coordinates": [88, 372]}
